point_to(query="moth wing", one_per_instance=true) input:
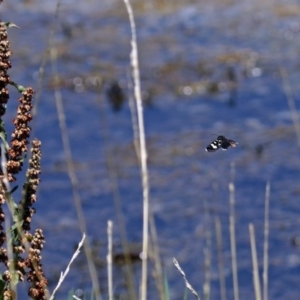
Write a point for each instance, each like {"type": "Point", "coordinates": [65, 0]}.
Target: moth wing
{"type": "Point", "coordinates": [225, 144]}
{"type": "Point", "coordinates": [215, 145]}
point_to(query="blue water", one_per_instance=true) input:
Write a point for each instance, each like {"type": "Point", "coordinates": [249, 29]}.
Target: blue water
{"type": "Point", "coordinates": [182, 53]}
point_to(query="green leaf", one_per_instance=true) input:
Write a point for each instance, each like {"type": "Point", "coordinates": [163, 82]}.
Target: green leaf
{"type": "Point", "coordinates": [14, 189]}
{"type": "Point", "coordinates": [2, 287]}
{"type": "Point", "coordinates": [70, 294]}
{"type": "Point", "coordinates": [3, 138]}
{"type": "Point", "coordinates": [185, 294]}
{"type": "Point", "coordinates": [14, 233]}
{"type": "Point", "coordinates": [166, 285]}
{"type": "Point", "coordinates": [14, 279]}
{"type": "Point", "coordinates": [10, 24]}
{"type": "Point", "coordinates": [20, 88]}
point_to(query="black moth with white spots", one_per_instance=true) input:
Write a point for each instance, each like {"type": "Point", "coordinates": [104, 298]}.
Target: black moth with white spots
{"type": "Point", "coordinates": [221, 142]}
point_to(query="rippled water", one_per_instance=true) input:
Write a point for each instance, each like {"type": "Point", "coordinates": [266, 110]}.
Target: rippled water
{"type": "Point", "coordinates": [206, 70]}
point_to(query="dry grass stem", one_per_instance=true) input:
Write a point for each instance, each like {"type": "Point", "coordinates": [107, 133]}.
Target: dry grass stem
{"type": "Point", "coordinates": [256, 280]}
{"type": "Point", "coordinates": [291, 101]}
{"type": "Point", "coordinates": [45, 58]}
{"type": "Point", "coordinates": [207, 254]}
{"type": "Point", "coordinates": [220, 258]}
{"type": "Point", "coordinates": [143, 150]}
{"type": "Point", "coordinates": [158, 272]}
{"type": "Point", "coordinates": [113, 179]}
{"type": "Point", "coordinates": [64, 274]}
{"type": "Point", "coordinates": [109, 259]}
{"type": "Point", "coordinates": [134, 120]}
{"type": "Point", "coordinates": [187, 284]}
{"type": "Point", "coordinates": [233, 242]}
{"type": "Point", "coordinates": [266, 243]}
{"type": "Point", "coordinates": [71, 171]}
{"type": "Point", "coordinates": [207, 263]}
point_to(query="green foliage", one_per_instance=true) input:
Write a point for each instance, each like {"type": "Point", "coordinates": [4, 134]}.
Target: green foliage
{"type": "Point", "coordinates": [2, 287]}
{"type": "Point", "coordinates": [166, 287]}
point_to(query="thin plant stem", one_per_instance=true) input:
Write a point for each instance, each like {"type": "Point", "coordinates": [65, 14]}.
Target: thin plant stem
{"type": "Point", "coordinates": [113, 179]}
{"type": "Point", "coordinates": [233, 242]}
{"type": "Point", "coordinates": [64, 274]}
{"type": "Point", "coordinates": [187, 284]}
{"type": "Point", "coordinates": [10, 256]}
{"type": "Point", "coordinates": [71, 172]}
{"type": "Point", "coordinates": [291, 101]}
{"type": "Point", "coordinates": [12, 209]}
{"type": "Point", "coordinates": [266, 243]}
{"type": "Point", "coordinates": [158, 276]}
{"type": "Point", "coordinates": [155, 248]}
{"type": "Point", "coordinates": [143, 150]}
{"type": "Point", "coordinates": [207, 257]}
{"type": "Point", "coordinates": [109, 259]}
{"type": "Point", "coordinates": [218, 230]}
{"type": "Point", "coordinates": [45, 58]}
{"type": "Point", "coordinates": [166, 287]}
{"type": "Point", "coordinates": [134, 120]}
{"type": "Point", "coordinates": [206, 285]}
{"type": "Point", "coordinates": [11, 205]}
{"type": "Point", "coordinates": [256, 280]}
{"type": "Point", "coordinates": [220, 258]}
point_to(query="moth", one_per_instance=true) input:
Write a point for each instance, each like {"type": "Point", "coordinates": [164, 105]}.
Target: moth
{"type": "Point", "coordinates": [221, 142]}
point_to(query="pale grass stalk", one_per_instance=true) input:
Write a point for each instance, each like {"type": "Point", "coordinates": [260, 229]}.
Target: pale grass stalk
{"type": "Point", "coordinates": [256, 280]}
{"type": "Point", "coordinates": [187, 284]}
{"type": "Point", "coordinates": [113, 180]}
{"type": "Point", "coordinates": [155, 248]}
{"type": "Point", "coordinates": [266, 243]}
{"type": "Point", "coordinates": [220, 258]}
{"type": "Point", "coordinates": [207, 263]}
{"type": "Point", "coordinates": [291, 101]}
{"type": "Point", "coordinates": [71, 171]}
{"type": "Point", "coordinates": [158, 272]}
{"type": "Point", "coordinates": [45, 58]}
{"type": "Point", "coordinates": [143, 150]}
{"type": "Point", "coordinates": [233, 242]}
{"type": "Point", "coordinates": [109, 259]}
{"type": "Point", "coordinates": [134, 120]}
{"type": "Point", "coordinates": [65, 273]}
{"type": "Point", "coordinates": [206, 252]}
{"type": "Point", "coordinates": [218, 230]}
